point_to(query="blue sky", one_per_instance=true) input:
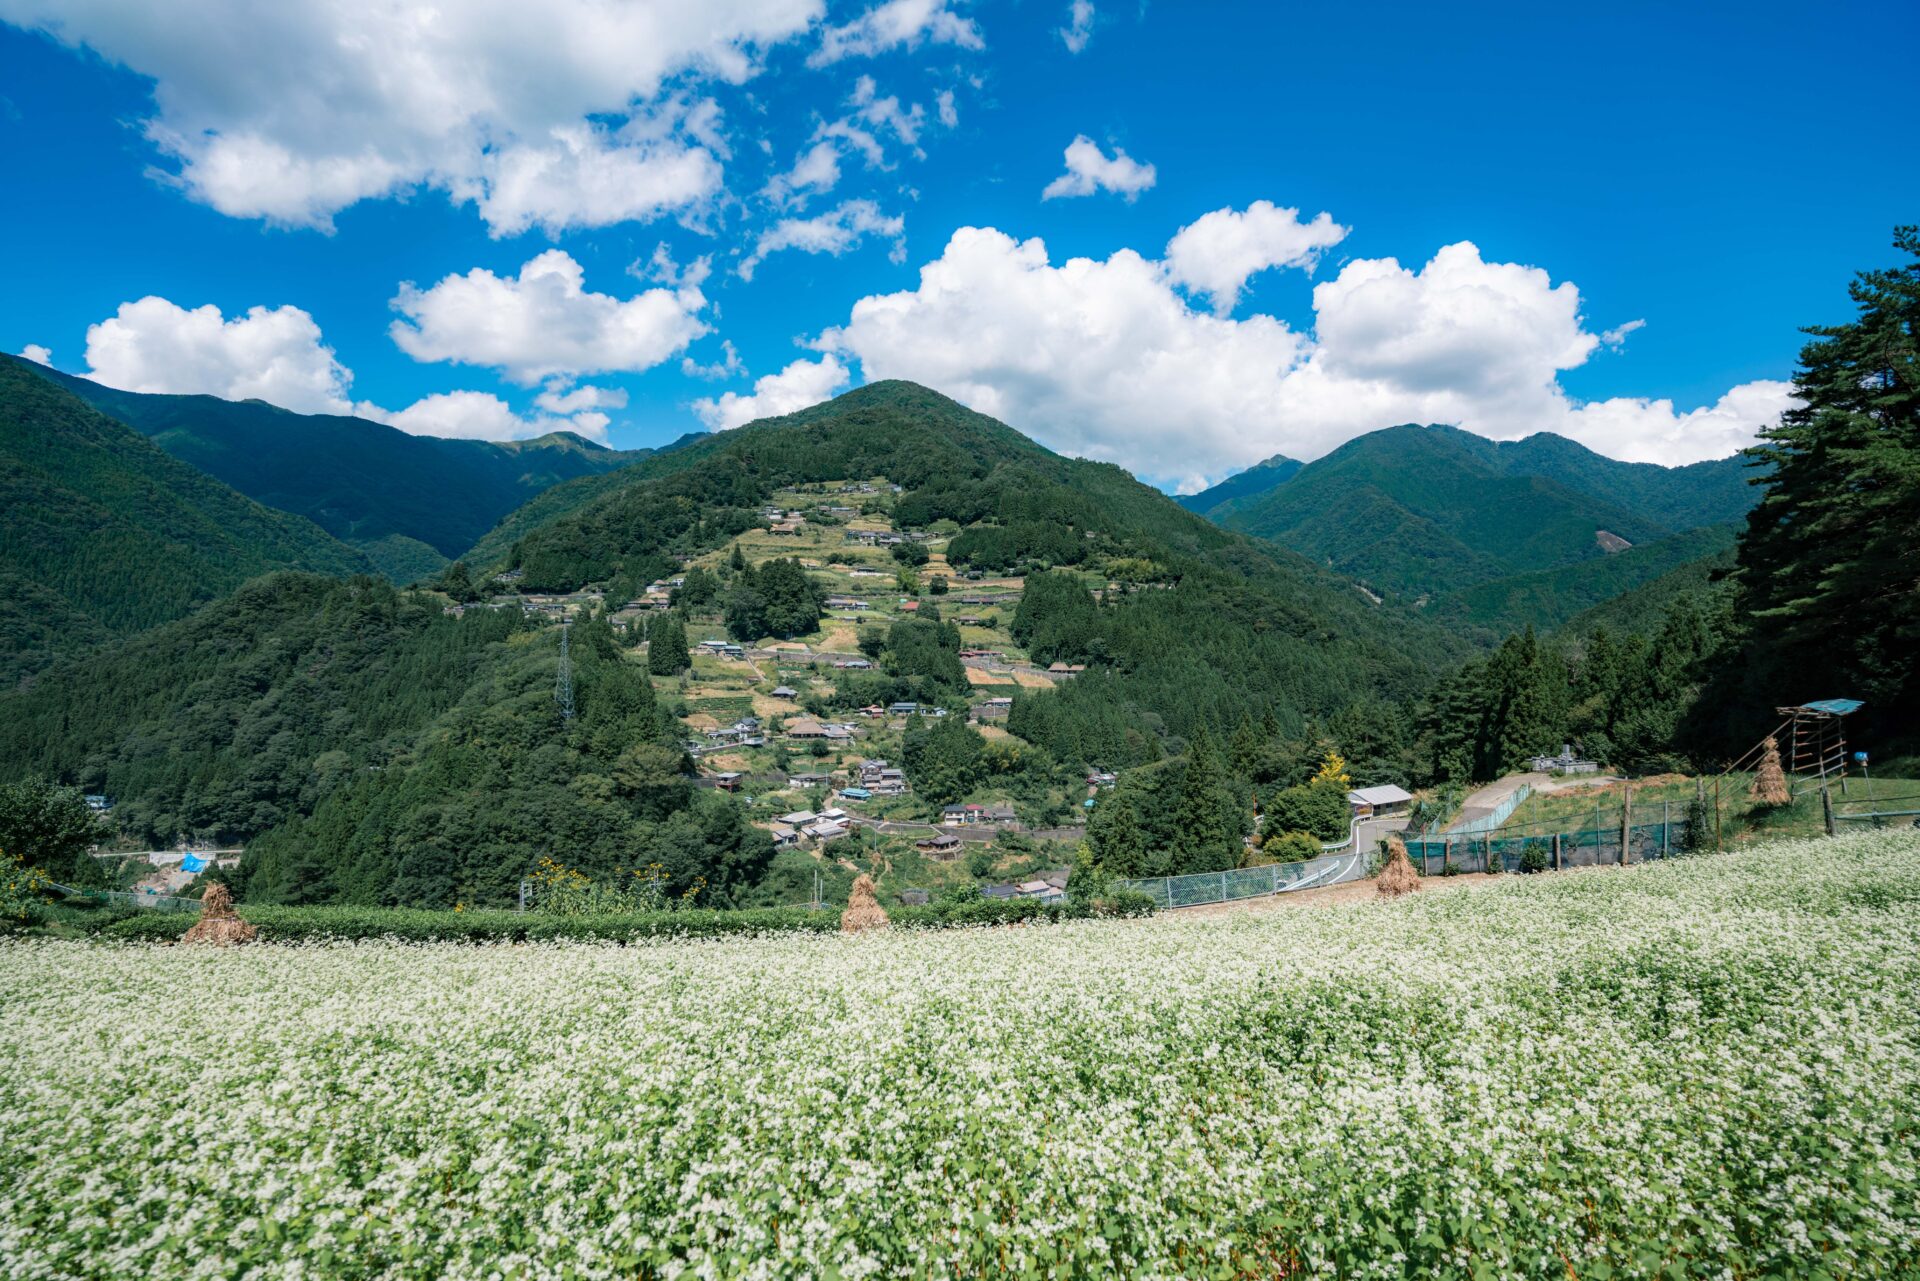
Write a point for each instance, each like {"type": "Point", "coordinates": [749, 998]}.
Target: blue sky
{"type": "Point", "coordinates": [1507, 190]}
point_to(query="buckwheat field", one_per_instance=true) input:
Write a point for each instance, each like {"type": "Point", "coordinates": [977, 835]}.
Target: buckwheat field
{"type": "Point", "coordinates": [1707, 1068]}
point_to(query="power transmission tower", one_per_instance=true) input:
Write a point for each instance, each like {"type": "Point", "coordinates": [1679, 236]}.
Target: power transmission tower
{"type": "Point", "coordinates": [563, 678]}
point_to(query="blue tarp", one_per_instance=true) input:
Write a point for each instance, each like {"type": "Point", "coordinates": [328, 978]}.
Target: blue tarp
{"type": "Point", "coordinates": [1832, 706]}
{"type": "Point", "coordinates": [193, 863]}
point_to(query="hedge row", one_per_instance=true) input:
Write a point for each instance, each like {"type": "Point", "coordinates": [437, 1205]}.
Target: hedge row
{"type": "Point", "coordinates": [310, 924]}
{"type": "Point", "coordinates": [315, 924]}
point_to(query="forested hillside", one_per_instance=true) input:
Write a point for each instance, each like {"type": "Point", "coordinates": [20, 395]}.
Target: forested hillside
{"type": "Point", "coordinates": [1551, 598]}
{"type": "Point", "coordinates": [1419, 512]}
{"type": "Point", "coordinates": [409, 502]}
{"type": "Point", "coordinates": [372, 749]}
{"type": "Point", "coordinates": [105, 534]}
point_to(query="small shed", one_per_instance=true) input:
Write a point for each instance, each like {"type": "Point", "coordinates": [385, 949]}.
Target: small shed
{"type": "Point", "coordinates": [1379, 802]}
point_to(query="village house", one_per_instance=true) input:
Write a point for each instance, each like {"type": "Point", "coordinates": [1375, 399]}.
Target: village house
{"type": "Point", "coordinates": [808, 780]}
{"type": "Point", "coordinates": [902, 709]}
{"type": "Point", "coordinates": [798, 819]}
{"type": "Point", "coordinates": [784, 837]}
{"type": "Point", "coordinates": [845, 602]}
{"type": "Point", "coordinates": [805, 728]}
{"type": "Point", "coordinates": [1379, 802]}
{"type": "Point", "coordinates": [944, 845]}
{"type": "Point", "coordinates": [854, 664]}
{"type": "Point", "coordinates": [785, 691]}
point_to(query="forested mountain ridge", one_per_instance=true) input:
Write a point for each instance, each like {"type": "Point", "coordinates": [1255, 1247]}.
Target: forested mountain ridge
{"type": "Point", "coordinates": [106, 534]}
{"type": "Point", "coordinates": [1241, 488]}
{"type": "Point", "coordinates": [1417, 512]}
{"type": "Point", "coordinates": [409, 502]}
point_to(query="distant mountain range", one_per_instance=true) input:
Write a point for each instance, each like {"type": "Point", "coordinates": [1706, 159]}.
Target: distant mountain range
{"type": "Point", "coordinates": [409, 503]}
{"type": "Point", "coordinates": [105, 534]}
{"type": "Point", "coordinates": [1495, 534]}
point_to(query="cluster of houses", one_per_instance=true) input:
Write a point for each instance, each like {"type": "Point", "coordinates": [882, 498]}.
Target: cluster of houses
{"type": "Point", "coordinates": [723, 649]}
{"type": "Point", "coordinates": [790, 830]}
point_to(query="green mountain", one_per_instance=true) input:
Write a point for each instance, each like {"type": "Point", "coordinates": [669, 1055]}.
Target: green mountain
{"type": "Point", "coordinates": [1203, 626]}
{"type": "Point", "coordinates": [410, 503]}
{"type": "Point", "coordinates": [1416, 513]}
{"type": "Point", "coordinates": [105, 534]}
{"type": "Point", "coordinates": [1548, 599]}
{"type": "Point", "coordinates": [1241, 487]}
{"type": "Point", "coordinates": [369, 745]}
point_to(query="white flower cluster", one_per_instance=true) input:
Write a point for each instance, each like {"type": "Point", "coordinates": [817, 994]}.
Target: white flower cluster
{"type": "Point", "coordinates": [1708, 1067]}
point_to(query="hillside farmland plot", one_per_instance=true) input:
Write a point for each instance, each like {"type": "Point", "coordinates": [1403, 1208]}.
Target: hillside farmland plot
{"type": "Point", "coordinates": [1704, 1068]}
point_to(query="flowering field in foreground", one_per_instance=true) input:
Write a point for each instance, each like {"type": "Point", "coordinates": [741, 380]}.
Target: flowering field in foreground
{"type": "Point", "coordinates": [1703, 1068]}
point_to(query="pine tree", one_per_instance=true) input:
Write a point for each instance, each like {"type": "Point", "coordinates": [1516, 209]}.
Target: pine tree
{"type": "Point", "coordinates": [1826, 567]}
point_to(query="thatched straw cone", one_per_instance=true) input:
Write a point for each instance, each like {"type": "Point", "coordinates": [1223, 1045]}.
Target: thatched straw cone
{"type": "Point", "coordinates": [1398, 876]}
{"type": "Point", "coordinates": [1769, 781]}
{"type": "Point", "coordinates": [218, 924]}
{"type": "Point", "coordinates": [863, 909]}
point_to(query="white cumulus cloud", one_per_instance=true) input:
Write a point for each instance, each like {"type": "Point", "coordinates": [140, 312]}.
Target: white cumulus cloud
{"type": "Point", "coordinates": [833, 232]}
{"type": "Point", "coordinates": [479, 415]}
{"type": "Point", "coordinates": [800, 384]}
{"type": "Point", "coordinates": [544, 322]}
{"type": "Point", "coordinates": [585, 176]}
{"type": "Point", "coordinates": [292, 112]}
{"type": "Point", "coordinates": [271, 353]}
{"type": "Point", "coordinates": [1079, 28]}
{"type": "Point", "coordinates": [277, 354]}
{"type": "Point", "coordinates": [897, 24]}
{"type": "Point", "coordinates": [1217, 253]}
{"type": "Point", "coordinates": [1107, 360]}
{"type": "Point", "coordinates": [1089, 170]}
{"type": "Point", "coordinates": [37, 354]}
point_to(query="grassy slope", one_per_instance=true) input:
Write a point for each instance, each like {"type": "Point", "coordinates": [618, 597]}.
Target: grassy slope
{"type": "Point", "coordinates": [360, 481]}
{"type": "Point", "coordinates": [104, 522]}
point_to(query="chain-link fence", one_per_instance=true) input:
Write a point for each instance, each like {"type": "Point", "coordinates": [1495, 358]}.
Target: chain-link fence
{"type": "Point", "coordinates": [1510, 850]}
{"type": "Point", "coordinates": [1250, 882]}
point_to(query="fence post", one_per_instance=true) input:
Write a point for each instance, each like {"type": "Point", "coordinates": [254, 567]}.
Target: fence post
{"type": "Point", "coordinates": [1626, 823]}
{"type": "Point", "coordinates": [1826, 805]}
{"type": "Point", "coordinates": [1223, 887]}
{"type": "Point", "coordinates": [1446, 852]}
{"type": "Point", "coordinates": [1556, 851]}
{"type": "Point", "coordinates": [1666, 828]}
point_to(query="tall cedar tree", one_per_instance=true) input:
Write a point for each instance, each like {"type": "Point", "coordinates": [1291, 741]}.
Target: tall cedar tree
{"type": "Point", "coordinates": [1826, 568]}
{"type": "Point", "coordinates": [667, 646]}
